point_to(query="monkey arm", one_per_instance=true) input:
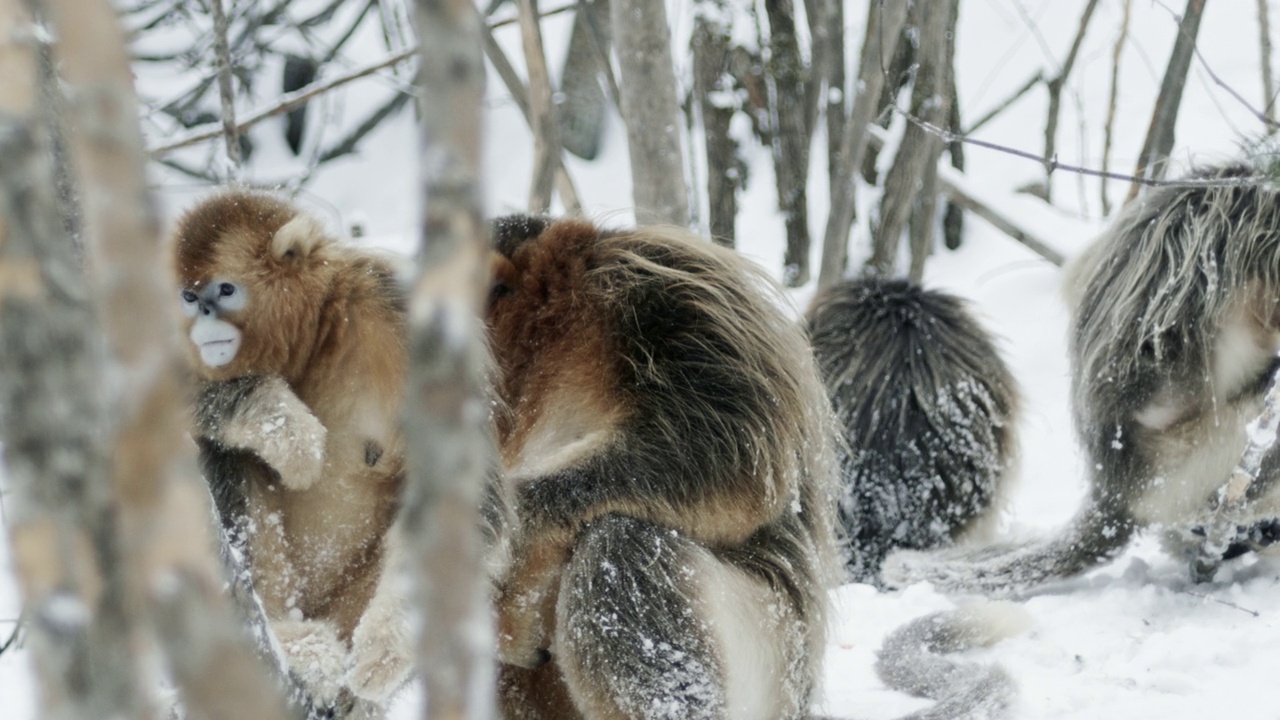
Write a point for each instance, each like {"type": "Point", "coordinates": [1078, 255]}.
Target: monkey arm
{"type": "Point", "coordinates": [261, 414]}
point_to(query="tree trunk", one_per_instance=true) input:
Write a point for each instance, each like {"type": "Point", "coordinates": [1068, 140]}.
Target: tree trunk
{"type": "Point", "coordinates": [835, 95]}
{"type": "Point", "coordinates": [1264, 50]}
{"type": "Point", "coordinates": [446, 416]}
{"type": "Point", "coordinates": [543, 116]}
{"type": "Point", "coordinates": [51, 413]}
{"type": "Point", "coordinates": [1159, 142]}
{"type": "Point", "coordinates": [714, 88]}
{"type": "Point", "coordinates": [105, 541]}
{"type": "Point", "coordinates": [651, 111]}
{"type": "Point", "coordinates": [915, 167]}
{"type": "Point", "coordinates": [790, 137]}
{"type": "Point", "coordinates": [884, 26]}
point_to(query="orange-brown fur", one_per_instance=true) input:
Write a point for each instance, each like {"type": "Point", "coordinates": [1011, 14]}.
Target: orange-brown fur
{"type": "Point", "coordinates": [328, 320]}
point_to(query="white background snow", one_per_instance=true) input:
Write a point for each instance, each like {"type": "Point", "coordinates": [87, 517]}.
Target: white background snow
{"type": "Point", "coordinates": [1133, 639]}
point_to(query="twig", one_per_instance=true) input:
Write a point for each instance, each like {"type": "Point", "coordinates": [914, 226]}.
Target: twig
{"type": "Point", "coordinates": [1031, 82]}
{"type": "Point", "coordinates": [513, 20]}
{"type": "Point", "coordinates": [1228, 603]}
{"type": "Point", "coordinates": [287, 102]}
{"type": "Point", "coordinates": [13, 636]}
{"type": "Point", "coordinates": [1055, 96]}
{"type": "Point", "coordinates": [1108, 128]}
{"type": "Point", "coordinates": [1065, 167]}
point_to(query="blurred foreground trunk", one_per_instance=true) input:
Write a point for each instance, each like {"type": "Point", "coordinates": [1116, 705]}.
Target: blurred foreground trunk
{"type": "Point", "coordinates": [446, 416]}
{"type": "Point", "coordinates": [111, 525]}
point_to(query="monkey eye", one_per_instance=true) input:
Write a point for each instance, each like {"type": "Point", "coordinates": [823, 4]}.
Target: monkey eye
{"type": "Point", "coordinates": [189, 297]}
{"type": "Point", "coordinates": [226, 290]}
{"type": "Point", "coordinates": [499, 290]}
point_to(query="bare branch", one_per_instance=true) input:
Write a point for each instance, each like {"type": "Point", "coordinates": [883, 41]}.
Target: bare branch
{"type": "Point", "coordinates": [1112, 98]}
{"type": "Point", "coordinates": [284, 104]}
{"type": "Point", "coordinates": [1036, 78]}
{"type": "Point", "coordinates": [546, 128]}
{"type": "Point", "coordinates": [1055, 86]}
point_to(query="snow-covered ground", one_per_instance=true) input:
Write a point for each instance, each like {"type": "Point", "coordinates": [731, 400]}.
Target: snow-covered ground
{"type": "Point", "coordinates": [1133, 639]}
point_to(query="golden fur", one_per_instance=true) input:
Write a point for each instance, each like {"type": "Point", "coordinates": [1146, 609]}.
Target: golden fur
{"type": "Point", "coordinates": [327, 320]}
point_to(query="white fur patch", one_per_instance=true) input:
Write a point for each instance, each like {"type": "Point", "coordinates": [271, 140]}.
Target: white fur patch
{"type": "Point", "coordinates": [217, 340]}
{"type": "Point", "coordinates": [748, 622]}
{"type": "Point", "coordinates": [571, 430]}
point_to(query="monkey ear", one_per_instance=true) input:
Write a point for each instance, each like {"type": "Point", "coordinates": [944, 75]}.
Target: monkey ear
{"type": "Point", "coordinates": [298, 238]}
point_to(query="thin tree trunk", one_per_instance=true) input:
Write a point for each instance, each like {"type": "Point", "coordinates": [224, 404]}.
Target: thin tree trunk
{"type": "Point", "coordinates": [1159, 142]}
{"type": "Point", "coordinates": [159, 537]}
{"type": "Point", "coordinates": [446, 417]}
{"type": "Point", "coordinates": [713, 87]}
{"type": "Point", "coordinates": [916, 165]}
{"type": "Point", "coordinates": [222, 55]}
{"type": "Point", "coordinates": [953, 216]}
{"type": "Point", "coordinates": [1055, 86]}
{"type": "Point", "coordinates": [835, 95]}
{"type": "Point", "coordinates": [884, 26]}
{"type": "Point", "coordinates": [59, 520]}
{"type": "Point", "coordinates": [651, 111]}
{"type": "Point", "coordinates": [1113, 96]}
{"type": "Point", "coordinates": [787, 106]}
{"type": "Point", "coordinates": [1264, 46]}
{"type": "Point", "coordinates": [520, 96]}
{"type": "Point", "coordinates": [546, 125]}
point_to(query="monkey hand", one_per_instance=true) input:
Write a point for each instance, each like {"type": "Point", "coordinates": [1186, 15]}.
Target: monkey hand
{"type": "Point", "coordinates": [293, 444]}
{"type": "Point", "coordinates": [315, 655]}
{"type": "Point", "coordinates": [526, 598]}
{"type": "Point", "coordinates": [381, 654]}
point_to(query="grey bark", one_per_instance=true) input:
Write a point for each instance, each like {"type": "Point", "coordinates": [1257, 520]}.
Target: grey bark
{"type": "Point", "coordinates": [642, 42]}
{"type": "Point", "coordinates": [1159, 143]}
{"type": "Point", "coordinates": [910, 181]}
{"type": "Point", "coordinates": [835, 96]}
{"type": "Point", "coordinates": [446, 416]}
{"type": "Point", "coordinates": [713, 86]}
{"type": "Point", "coordinates": [51, 410]}
{"type": "Point", "coordinates": [953, 216]}
{"type": "Point", "coordinates": [884, 25]}
{"type": "Point", "coordinates": [109, 540]}
{"type": "Point", "coordinates": [1055, 86]}
{"type": "Point", "coordinates": [787, 108]}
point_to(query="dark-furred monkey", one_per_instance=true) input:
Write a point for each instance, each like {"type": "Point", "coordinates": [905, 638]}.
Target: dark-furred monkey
{"type": "Point", "coordinates": [927, 409]}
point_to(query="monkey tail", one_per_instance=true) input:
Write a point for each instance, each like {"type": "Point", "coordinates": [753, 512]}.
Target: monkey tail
{"type": "Point", "coordinates": [1096, 535]}
{"type": "Point", "coordinates": [913, 660]}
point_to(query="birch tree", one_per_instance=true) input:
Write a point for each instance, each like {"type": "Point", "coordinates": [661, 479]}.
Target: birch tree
{"type": "Point", "coordinates": [112, 531]}
{"type": "Point", "coordinates": [642, 42]}
{"type": "Point", "coordinates": [446, 417]}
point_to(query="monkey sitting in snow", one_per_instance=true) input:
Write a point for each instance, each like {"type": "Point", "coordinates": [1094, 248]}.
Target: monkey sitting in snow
{"type": "Point", "coordinates": [299, 344]}
{"type": "Point", "coordinates": [927, 408]}
{"type": "Point", "coordinates": [1174, 335]}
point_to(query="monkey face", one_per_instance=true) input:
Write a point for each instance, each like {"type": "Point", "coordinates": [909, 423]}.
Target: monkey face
{"type": "Point", "coordinates": [215, 337]}
{"type": "Point", "coordinates": [252, 275]}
